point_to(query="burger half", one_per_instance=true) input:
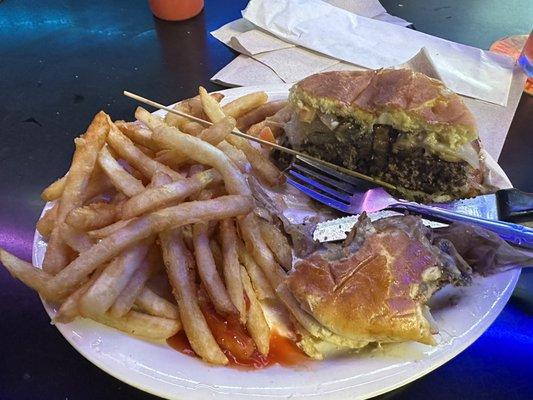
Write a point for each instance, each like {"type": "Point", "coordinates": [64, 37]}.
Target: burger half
{"type": "Point", "coordinates": [397, 125]}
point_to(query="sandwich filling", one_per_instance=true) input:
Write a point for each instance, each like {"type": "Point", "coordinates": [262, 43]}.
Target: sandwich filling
{"type": "Point", "coordinates": [406, 159]}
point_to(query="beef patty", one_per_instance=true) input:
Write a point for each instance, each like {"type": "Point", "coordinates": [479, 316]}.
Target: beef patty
{"type": "Point", "coordinates": [373, 153]}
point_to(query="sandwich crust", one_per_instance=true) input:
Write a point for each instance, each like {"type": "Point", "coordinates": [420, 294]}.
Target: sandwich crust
{"type": "Point", "coordinates": [406, 100]}
{"type": "Point", "coordinates": [376, 293]}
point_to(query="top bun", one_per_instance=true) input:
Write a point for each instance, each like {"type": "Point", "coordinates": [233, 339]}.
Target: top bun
{"type": "Point", "coordinates": [406, 100]}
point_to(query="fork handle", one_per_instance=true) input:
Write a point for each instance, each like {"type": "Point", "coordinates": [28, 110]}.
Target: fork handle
{"type": "Point", "coordinates": [513, 233]}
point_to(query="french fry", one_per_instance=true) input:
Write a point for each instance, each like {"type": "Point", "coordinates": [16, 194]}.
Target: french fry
{"type": "Point", "coordinates": [151, 264]}
{"type": "Point", "coordinates": [33, 277]}
{"type": "Point", "coordinates": [99, 184]}
{"type": "Point", "coordinates": [259, 114]}
{"type": "Point", "coordinates": [93, 216]}
{"type": "Point", "coordinates": [203, 153]}
{"type": "Point", "coordinates": [245, 104]}
{"type": "Point", "coordinates": [208, 271]}
{"type": "Point", "coordinates": [78, 241]}
{"type": "Point", "coordinates": [215, 250]}
{"type": "Point", "coordinates": [153, 304]}
{"type": "Point", "coordinates": [213, 135]}
{"type": "Point", "coordinates": [261, 165]}
{"type": "Point", "coordinates": [174, 192]}
{"type": "Point", "coordinates": [259, 281]}
{"type": "Point", "coordinates": [108, 230]}
{"type": "Point", "coordinates": [46, 224]}
{"type": "Point", "coordinates": [147, 152]}
{"type": "Point", "coordinates": [121, 178]}
{"type": "Point", "coordinates": [69, 309]}
{"type": "Point", "coordinates": [236, 156]}
{"type": "Point", "coordinates": [193, 128]}
{"type": "Point", "coordinates": [172, 158]}
{"type": "Point", "coordinates": [256, 322]}
{"type": "Point", "coordinates": [231, 267]}
{"type": "Point", "coordinates": [84, 160]}
{"type": "Point", "coordinates": [277, 243]}
{"type": "Point", "coordinates": [141, 228]}
{"type": "Point", "coordinates": [54, 190]}
{"type": "Point", "coordinates": [140, 324]}
{"type": "Point", "coordinates": [259, 250]}
{"type": "Point", "coordinates": [186, 107]}
{"type": "Point", "coordinates": [135, 157]}
{"type": "Point", "coordinates": [113, 279]}
{"type": "Point", "coordinates": [217, 132]}
{"type": "Point", "coordinates": [138, 133]}
{"type": "Point", "coordinates": [177, 266]}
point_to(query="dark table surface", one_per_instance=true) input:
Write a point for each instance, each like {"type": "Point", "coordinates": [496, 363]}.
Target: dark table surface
{"type": "Point", "coordinates": [62, 61]}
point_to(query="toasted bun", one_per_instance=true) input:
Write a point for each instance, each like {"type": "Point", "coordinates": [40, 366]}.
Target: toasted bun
{"type": "Point", "coordinates": [408, 101]}
{"type": "Point", "coordinates": [377, 293]}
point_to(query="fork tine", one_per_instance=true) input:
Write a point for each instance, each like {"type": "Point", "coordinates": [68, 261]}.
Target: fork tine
{"type": "Point", "coordinates": [319, 196]}
{"type": "Point", "coordinates": [346, 187]}
{"type": "Point", "coordinates": [319, 186]}
{"type": "Point", "coordinates": [359, 183]}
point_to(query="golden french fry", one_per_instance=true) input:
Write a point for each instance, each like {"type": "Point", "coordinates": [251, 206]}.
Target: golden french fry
{"type": "Point", "coordinates": [208, 271]}
{"type": "Point", "coordinates": [147, 152]}
{"type": "Point", "coordinates": [186, 107]}
{"type": "Point", "coordinates": [177, 265]}
{"type": "Point", "coordinates": [69, 309]}
{"type": "Point", "coordinates": [33, 277]}
{"type": "Point", "coordinates": [46, 224]}
{"type": "Point", "coordinates": [113, 279]}
{"type": "Point", "coordinates": [260, 164]}
{"type": "Point", "coordinates": [217, 132]}
{"type": "Point", "coordinates": [236, 156]}
{"type": "Point", "coordinates": [215, 250]}
{"type": "Point", "coordinates": [151, 264]}
{"type": "Point", "coordinates": [259, 281]}
{"type": "Point", "coordinates": [203, 153]}
{"type": "Point", "coordinates": [259, 250]}
{"type": "Point", "coordinates": [135, 157]}
{"type": "Point", "coordinates": [138, 133]}
{"type": "Point", "coordinates": [153, 304]}
{"type": "Point", "coordinates": [84, 160]}
{"type": "Point", "coordinates": [121, 178]}
{"type": "Point", "coordinates": [259, 114]}
{"type": "Point", "coordinates": [256, 322]}
{"type": "Point", "coordinates": [77, 240]}
{"type": "Point", "coordinates": [160, 178]}
{"type": "Point", "coordinates": [108, 230]}
{"type": "Point", "coordinates": [93, 216]}
{"type": "Point", "coordinates": [99, 184]}
{"type": "Point", "coordinates": [193, 128]}
{"type": "Point", "coordinates": [231, 267]}
{"type": "Point", "coordinates": [174, 192]}
{"type": "Point", "coordinates": [141, 228]}
{"type": "Point", "coordinates": [140, 324]}
{"type": "Point", "coordinates": [54, 190]}
{"type": "Point", "coordinates": [277, 243]}
{"type": "Point", "coordinates": [172, 158]}
{"type": "Point", "coordinates": [245, 104]}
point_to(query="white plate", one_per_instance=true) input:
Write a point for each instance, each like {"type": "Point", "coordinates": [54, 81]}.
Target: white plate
{"type": "Point", "coordinates": [462, 314]}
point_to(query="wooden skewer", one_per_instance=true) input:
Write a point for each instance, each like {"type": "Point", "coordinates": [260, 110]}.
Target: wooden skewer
{"type": "Point", "coordinates": [263, 142]}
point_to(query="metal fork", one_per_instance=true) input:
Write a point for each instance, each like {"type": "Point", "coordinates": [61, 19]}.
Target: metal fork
{"type": "Point", "coordinates": [353, 196]}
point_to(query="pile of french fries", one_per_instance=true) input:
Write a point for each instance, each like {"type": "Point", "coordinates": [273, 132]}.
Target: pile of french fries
{"type": "Point", "coordinates": [164, 200]}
